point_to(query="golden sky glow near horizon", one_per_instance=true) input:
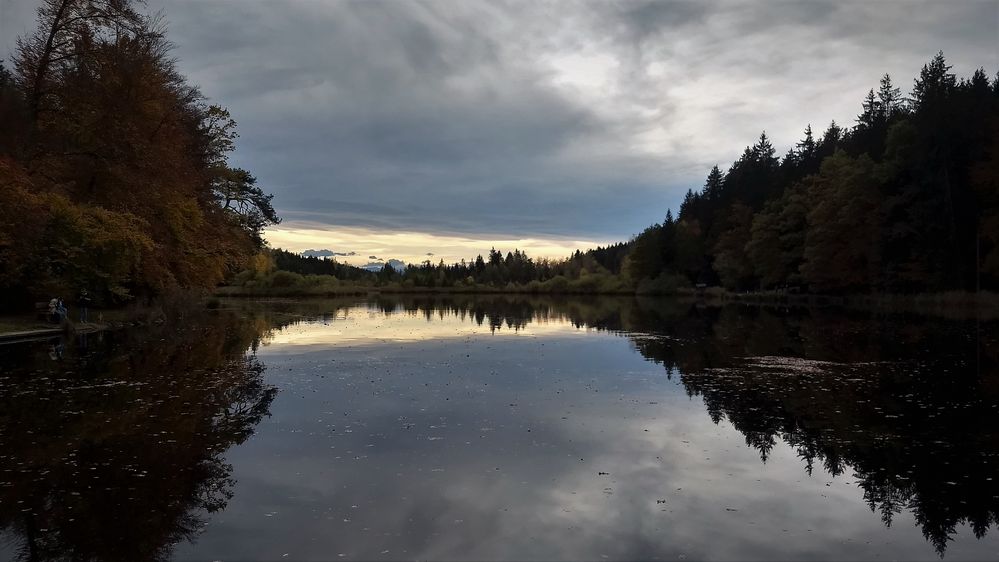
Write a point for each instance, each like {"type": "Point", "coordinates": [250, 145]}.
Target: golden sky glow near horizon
{"type": "Point", "coordinates": [411, 247]}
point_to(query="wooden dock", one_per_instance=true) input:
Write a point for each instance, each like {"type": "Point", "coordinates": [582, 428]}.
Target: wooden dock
{"type": "Point", "coordinates": [11, 337]}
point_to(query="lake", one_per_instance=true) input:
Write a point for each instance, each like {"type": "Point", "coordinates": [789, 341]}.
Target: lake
{"type": "Point", "coordinates": [504, 428]}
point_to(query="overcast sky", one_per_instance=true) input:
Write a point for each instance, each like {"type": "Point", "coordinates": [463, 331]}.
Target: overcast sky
{"type": "Point", "coordinates": [399, 128]}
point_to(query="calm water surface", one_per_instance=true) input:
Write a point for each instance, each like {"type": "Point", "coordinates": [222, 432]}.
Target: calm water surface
{"type": "Point", "coordinates": [504, 428]}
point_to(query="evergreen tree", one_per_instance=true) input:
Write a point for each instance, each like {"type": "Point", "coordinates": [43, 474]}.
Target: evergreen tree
{"type": "Point", "coordinates": [777, 235]}
{"type": "Point", "coordinates": [889, 204]}
{"type": "Point", "coordinates": [890, 98]}
{"type": "Point", "coordinates": [934, 85]}
{"type": "Point", "coordinates": [806, 146]}
{"type": "Point", "coordinates": [808, 155]}
{"type": "Point", "coordinates": [646, 258]}
{"type": "Point", "coordinates": [731, 262]}
{"type": "Point", "coordinates": [872, 114]}
{"type": "Point", "coordinates": [841, 243]}
{"type": "Point", "coordinates": [713, 185]}
{"type": "Point", "coordinates": [830, 139]}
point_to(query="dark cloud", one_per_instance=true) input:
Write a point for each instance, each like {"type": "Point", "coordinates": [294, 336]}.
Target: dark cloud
{"type": "Point", "coordinates": [644, 20]}
{"type": "Point", "coordinates": [326, 253]}
{"type": "Point", "coordinates": [535, 119]}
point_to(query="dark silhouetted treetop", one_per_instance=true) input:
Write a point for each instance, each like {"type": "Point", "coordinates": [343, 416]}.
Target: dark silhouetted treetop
{"type": "Point", "coordinates": [890, 204]}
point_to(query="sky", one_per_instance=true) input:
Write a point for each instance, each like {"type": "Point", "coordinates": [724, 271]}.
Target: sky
{"type": "Point", "coordinates": [437, 130]}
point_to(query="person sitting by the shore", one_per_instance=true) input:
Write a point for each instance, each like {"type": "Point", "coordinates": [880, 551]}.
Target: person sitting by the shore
{"type": "Point", "coordinates": [53, 309]}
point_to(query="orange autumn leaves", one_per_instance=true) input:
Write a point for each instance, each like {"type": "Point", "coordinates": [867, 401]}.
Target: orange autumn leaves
{"type": "Point", "coordinates": [109, 175]}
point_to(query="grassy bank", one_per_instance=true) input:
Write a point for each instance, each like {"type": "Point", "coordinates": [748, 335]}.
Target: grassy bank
{"type": "Point", "coordinates": [396, 289]}
{"type": "Point", "coordinates": [984, 304]}
{"type": "Point", "coordinates": [288, 284]}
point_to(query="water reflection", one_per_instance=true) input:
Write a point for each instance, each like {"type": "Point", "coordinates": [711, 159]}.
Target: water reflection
{"type": "Point", "coordinates": [907, 404]}
{"type": "Point", "coordinates": [504, 427]}
{"type": "Point", "coordinates": [114, 448]}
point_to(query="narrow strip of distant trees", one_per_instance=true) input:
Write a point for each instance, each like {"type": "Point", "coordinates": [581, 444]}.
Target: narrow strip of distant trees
{"type": "Point", "coordinates": [592, 271]}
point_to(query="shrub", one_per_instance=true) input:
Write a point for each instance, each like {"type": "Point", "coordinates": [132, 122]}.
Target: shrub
{"type": "Point", "coordinates": [664, 284]}
{"type": "Point", "coordinates": [286, 279]}
{"type": "Point", "coordinates": [241, 278]}
{"type": "Point", "coordinates": [557, 284]}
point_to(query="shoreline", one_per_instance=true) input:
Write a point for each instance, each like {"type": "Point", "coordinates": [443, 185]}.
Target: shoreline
{"type": "Point", "coordinates": [12, 333]}
{"type": "Point", "coordinates": [983, 305]}
{"type": "Point", "coordinates": [946, 297]}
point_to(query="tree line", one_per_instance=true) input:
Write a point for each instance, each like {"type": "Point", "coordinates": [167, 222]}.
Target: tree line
{"type": "Point", "coordinates": [284, 260]}
{"type": "Point", "coordinates": [114, 172]}
{"type": "Point", "coordinates": [498, 269]}
{"type": "Point", "coordinates": [904, 201]}
{"type": "Point", "coordinates": [595, 270]}
{"type": "Point", "coordinates": [115, 178]}
{"type": "Point", "coordinates": [907, 200]}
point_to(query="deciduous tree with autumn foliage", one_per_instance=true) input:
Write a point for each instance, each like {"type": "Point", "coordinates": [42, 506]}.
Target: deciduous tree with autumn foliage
{"type": "Point", "coordinates": [113, 168]}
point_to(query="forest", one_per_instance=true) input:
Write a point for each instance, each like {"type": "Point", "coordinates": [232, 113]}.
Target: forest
{"type": "Point", "coordinates": [281, 272]}
{"type": "Point", "coordinates": [904, 201]}
{"type": "Point", "coordinates": [116, 179]}
{"type": "Point", "coordinates": [114, 173]}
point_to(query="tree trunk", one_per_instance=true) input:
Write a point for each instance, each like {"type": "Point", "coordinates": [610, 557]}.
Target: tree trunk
{"type": "Point", "coordinates": [35, 96]}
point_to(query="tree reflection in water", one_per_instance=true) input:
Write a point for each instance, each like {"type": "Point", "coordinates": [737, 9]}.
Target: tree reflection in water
{"type": "Point", "coordinates": [908, 404]}
{"type": "Point", "coordinates": [116, 450]}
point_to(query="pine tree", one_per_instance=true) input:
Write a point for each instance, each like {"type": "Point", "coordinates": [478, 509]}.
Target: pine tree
{"type": "Point", "coordinates": [872, 111]}
{"type": "Point", "coordinates": [806, 147]}
{"type": "Point", "coordinates": [713, 185]}
{"type": "Point", "coordinates": [808, 154]}
{"type": "Point", "coordinates": [891, 99]}
{"type": "Point", "coordinates": [830, 140]}
{"type": "Point", "coordinates": [763, 151]}
{"type": "Point", "coordinates": [934, 85]}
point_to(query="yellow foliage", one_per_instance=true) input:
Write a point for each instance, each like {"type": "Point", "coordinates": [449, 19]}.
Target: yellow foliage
{"type": "Point", "coordinates": [261, 263]}
{"type": "Point", "coordinates": [48, 240]}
